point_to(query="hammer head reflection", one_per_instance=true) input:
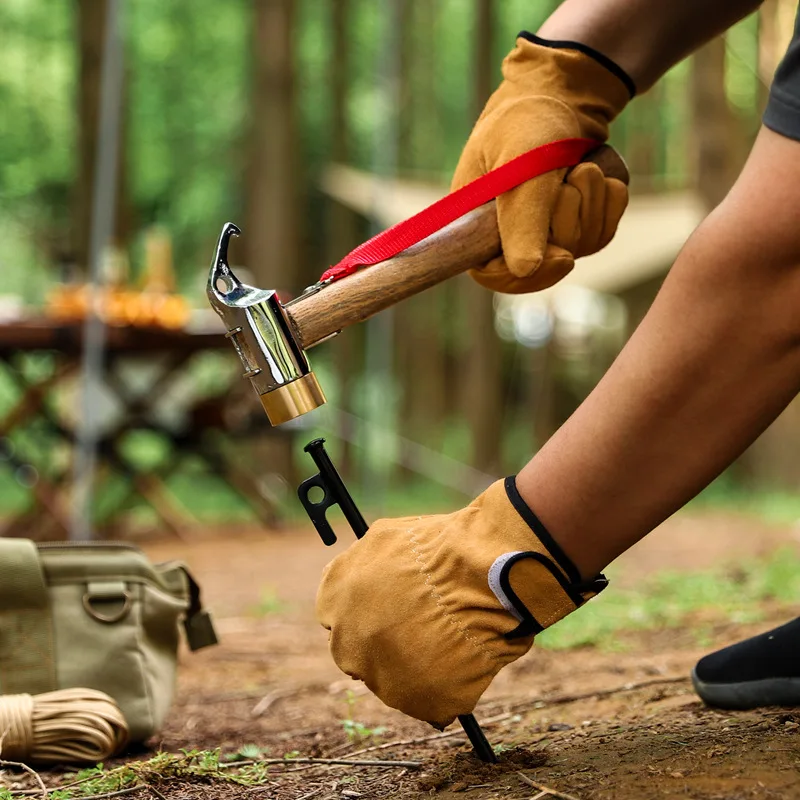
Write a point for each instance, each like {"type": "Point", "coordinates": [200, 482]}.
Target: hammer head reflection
{"type": "Point", "coordinates": [257, 324]}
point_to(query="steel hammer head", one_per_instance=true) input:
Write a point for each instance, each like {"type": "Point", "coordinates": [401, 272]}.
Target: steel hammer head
{"type": "Point", "coordinates": [262, 334]}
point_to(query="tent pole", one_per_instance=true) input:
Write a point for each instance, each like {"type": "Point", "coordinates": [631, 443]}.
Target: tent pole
{"type": "Point", "coordinates": [102, 227]}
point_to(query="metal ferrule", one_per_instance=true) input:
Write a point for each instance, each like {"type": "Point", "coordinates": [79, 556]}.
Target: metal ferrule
{"type": "Point", "coordinates": [261, 332]}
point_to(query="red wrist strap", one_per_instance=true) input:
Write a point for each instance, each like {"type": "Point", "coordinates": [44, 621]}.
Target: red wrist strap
{"type": "Point", "coordinates": [555, 155]}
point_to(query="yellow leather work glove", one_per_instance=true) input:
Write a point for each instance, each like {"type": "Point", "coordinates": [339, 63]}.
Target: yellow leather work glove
{"type": "Point", "coordinates": [550, 91]}
{"type": "Point", "coordinates": [427, 610]}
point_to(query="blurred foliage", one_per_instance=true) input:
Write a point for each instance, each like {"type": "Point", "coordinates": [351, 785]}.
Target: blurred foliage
{"type": "Point", "coordinates": [188, 79]}
{"type": "Point", "coordinates": [186, 113]}
{"type": "Point", "coordinates": [780, 507]}
{"type": "Point", "coordinates": [269, 602]}
{"type": "Point", "coordinates": [188, 83]}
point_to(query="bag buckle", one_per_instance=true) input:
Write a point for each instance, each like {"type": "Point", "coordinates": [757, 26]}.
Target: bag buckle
{"type": "Point", "coordinates": [97, 592]}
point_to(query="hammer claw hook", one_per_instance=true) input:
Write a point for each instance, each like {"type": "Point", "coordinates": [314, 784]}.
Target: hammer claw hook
{"type": "Point", "coordinates": [261, 332]}
{"type": "Point", "coordinates": [221, 271]}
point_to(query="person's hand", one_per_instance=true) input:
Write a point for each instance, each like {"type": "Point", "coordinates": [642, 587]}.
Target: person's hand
{"type": "Point", "coordinates": [550, 91]}
{"type": "Point", "coordinates": [427, 610]}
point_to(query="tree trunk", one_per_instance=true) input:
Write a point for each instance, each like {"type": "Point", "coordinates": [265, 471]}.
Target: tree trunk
{"type": "Point", "coordinates": [483, 367]}
{"type": "Point", "coordinates": [91, 34]}
{"type": "Point", "coordinates": [643, 146]}
{"type": "Point", "coordinates": [418, 321]}
{"type": "Point", "coordinates": [768, 55]}
{"type": "Point", "coordinates": [712, 124]}
{"type": "Point", "coordinates": [270, 236]}
{"type": "Point", "coordinates": [771, 461]}
{"type": "Point", "coordinates": [342, 223]}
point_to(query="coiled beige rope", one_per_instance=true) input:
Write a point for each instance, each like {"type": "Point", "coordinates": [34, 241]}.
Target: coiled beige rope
{"type": "Point", "coordinates": [65, 726]}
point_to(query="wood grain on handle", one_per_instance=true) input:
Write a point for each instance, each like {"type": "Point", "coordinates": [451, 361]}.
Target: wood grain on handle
{"type": "Point", "coordinates": [465, 244]}
{"type": "Point", "coordinates": [469, 242]}
{"type": "Point", "coordinates": [611, 162]}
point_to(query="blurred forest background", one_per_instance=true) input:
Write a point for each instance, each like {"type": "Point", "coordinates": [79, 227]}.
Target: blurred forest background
{"type": "Point", "coordinates": [238, 110]}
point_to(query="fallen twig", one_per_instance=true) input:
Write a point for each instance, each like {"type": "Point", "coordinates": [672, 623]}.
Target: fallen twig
{"type": "Point", "coordinates": [264, 787]}
{"type": "Point", "coordinates": [562, 699]}
{"type": "Point", "coordinates": [63, 786]}
{"type": "Point", "coordinates": [261, 787]}
{"type": "Point", "coordinates": [433, 737]}
{"type": "Point", "coordinates": [19, 765]}
{"type": "Point", "coordinates": [310, 794]}
{"type": "Point", "coordinates": [544, 790]}
{"type": "Point", "coordinates": [117, 793]}
{"type": "Point", "coordinates": [539, 703]}
{"type": "Point", "coordinates": [350, 762]}
{"type": "Point", "coordinates": [269, 699]}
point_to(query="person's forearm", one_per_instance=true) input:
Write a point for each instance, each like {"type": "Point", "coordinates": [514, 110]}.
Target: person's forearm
{"type": "Point", "coordinates": [644, 37]}
{"type": "Point", "coordinates": [714, 362]}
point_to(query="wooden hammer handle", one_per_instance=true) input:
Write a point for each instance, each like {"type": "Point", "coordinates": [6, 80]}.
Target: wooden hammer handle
{"type": "Point", "coordinates": [465, 244]}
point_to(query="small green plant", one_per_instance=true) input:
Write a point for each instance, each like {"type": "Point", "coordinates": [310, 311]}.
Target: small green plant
{"type": "Point", "coordinates": [357, 731]}
{"type": "Point", "coordinates": [98, 780]}
{"type": "Point", "coordinates": [269, 603]}
{"type": "Point", "coordinates": [206, 764]}
{"type": "Point", "coordinates": [350, 700]}
{"type": "Point", "coordinates": [5, 794]}
{"type": "Point", "coordinates": [247, 752]}
{"type": "Point", "coordinates": [291, 754]}
{"type": "Point", "coordinates": [204, 761]}
{"type": "Point", "coordinates": [89, 772]}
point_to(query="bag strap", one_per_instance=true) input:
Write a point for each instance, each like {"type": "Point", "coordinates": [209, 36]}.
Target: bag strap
{"type": "Point", "coordinates": [27, 662]}
{"type": "Point", "coordinates": [197, 622]}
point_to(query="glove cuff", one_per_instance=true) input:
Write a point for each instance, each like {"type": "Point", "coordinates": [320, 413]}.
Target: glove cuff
{"type": "Point", "coordinates": [537, 526]}
{"type": "Point", "coordinates": [603, 60]}
{"type": "Point", "coordinates": [546, 586]}
{"type": "Point", "coordinates": [595, 92]}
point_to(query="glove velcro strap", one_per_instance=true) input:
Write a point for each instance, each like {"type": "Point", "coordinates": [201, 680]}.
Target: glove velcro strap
{"type": "Point", "coordinates": [549, 588]}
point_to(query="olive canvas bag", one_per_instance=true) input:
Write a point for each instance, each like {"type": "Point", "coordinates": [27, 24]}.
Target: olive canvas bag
{"type": "Point", "coordinates": [97, 615]}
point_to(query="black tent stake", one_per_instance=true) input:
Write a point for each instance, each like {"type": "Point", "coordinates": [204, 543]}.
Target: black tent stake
{"type": "Point", "coordinates": [335, 493]}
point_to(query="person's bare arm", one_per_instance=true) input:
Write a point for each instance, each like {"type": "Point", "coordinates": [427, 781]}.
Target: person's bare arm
{"type": "Point", "coordinates": [644, 37]}
{"type": "Point", "coordinates": [426, 610]}
{"type": "Point", "coordinates": [713, 363]}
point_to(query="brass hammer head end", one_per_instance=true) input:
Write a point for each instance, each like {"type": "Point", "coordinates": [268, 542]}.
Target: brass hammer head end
{"type": "Point", "coordinates": [293, 399]}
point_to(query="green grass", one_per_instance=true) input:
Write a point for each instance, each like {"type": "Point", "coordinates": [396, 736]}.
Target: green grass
{"type": "Point", "coordinates": [769, 505]}
{"type": "Point", "coordinates": [163, 767]}
{"type": "Point", "coordinates": [269, 603]}
{"type": "Point", "coordinates": [671, 599]}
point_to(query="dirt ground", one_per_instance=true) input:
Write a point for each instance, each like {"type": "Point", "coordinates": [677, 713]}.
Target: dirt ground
{"type": "Point", "coordinates": [580, 724]}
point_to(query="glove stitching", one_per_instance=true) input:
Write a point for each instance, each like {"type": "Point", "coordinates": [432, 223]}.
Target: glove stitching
{"type": "Point", "coordinates": [556, 615]}
{"type": "Point", "coordinates": [553, 618]}
{"type": "Point", "coordinates": [449, 616]}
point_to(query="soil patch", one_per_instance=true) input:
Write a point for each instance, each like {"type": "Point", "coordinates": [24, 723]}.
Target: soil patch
{"type": "Point", "coordinates": [582, 723]}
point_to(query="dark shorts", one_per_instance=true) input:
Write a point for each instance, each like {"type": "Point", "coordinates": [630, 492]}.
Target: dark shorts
{"type": "Point", "coordinates": [782, 114]}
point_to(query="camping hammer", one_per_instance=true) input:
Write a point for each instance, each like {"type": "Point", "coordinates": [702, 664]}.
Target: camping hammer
{"type": "Point", "coordinates": [271, 338]}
